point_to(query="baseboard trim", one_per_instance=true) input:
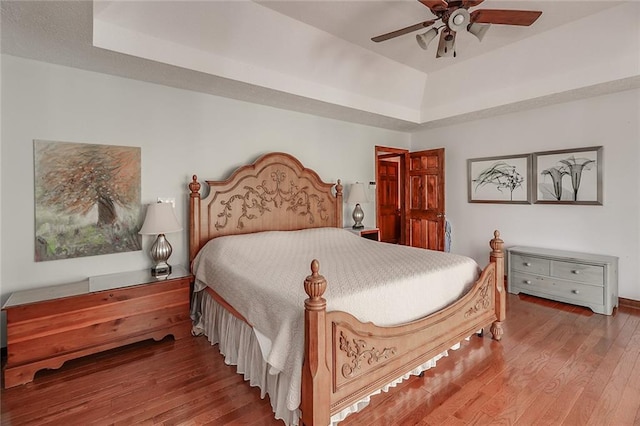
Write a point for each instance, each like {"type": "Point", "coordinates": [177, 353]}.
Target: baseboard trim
{"type": "Point", "coordinates": [629, 303]}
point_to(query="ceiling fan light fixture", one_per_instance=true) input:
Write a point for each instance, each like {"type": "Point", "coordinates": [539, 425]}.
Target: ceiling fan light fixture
{"type": "Point", "coordinates": [425, 38]}
{"type": "Point", "coordinates": [459, 19]}
{"type": "Point", "coordinates": [478, 30]}
{"type": "Point", "coordinates": [455, 17]}
{"type": "Point", "coordinates": [446, 46]}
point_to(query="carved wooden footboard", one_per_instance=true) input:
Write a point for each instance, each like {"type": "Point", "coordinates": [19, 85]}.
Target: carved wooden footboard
{"type": "Point", "coordinates": [346, 360]}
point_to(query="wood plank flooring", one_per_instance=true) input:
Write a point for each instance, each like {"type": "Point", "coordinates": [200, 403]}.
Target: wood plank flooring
{"type": "Point", "coordinates": [557, 364]}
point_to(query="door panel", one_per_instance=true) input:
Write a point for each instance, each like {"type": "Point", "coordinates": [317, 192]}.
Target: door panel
{"type": "Point", "coordinates": [391, 216]}
{"type": "Point", "coordinates": [426, 197]}
{"type": "Point", "coordinates": [433, 192]}
{"type": "Point", "coordinates": [389, 201]}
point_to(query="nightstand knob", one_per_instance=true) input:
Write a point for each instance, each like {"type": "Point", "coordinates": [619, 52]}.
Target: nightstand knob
{"type": "Point", "coordinates": [575, 291]}
{"type": "Point", "coordinates": [527, 264]}
{"type": "Point", "coordinates": [527, 281]}
{"type": "Point", "coordinates": [575, 271]}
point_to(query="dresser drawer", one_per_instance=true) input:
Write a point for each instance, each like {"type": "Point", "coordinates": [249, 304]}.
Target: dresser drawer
{"type": "Point", "coordinates": [589, 274]}
{"type": "Point", "coordinates": [534, 265]}
{"type": "Point", "coordinates": [573, 291]}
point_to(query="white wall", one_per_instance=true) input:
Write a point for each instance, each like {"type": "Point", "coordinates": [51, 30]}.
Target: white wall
{"type": "Point", "coordinates": [612, 121]}
{"type": "Point", "coordinates": [180, 132]}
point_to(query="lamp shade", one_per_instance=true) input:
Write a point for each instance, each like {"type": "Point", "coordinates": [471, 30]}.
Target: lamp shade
{"type": "Point", "coordinates": [357, 194]}
{"type": "Point", "coordinates": [478, 30]}
{"type": "Point", "coordinates": [160, 219]}
{"type": "Point", "coordinates": [425, 38]}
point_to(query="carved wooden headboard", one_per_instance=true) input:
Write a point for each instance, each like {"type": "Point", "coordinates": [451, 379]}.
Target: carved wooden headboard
{"type": "Point", "coordinates": [276, 193]}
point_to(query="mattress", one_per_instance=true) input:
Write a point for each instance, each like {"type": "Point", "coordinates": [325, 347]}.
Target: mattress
{"type": "Point", "coordinates": [261, 275]}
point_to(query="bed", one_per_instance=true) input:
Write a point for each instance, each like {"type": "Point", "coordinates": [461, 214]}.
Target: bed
{"type": "Point", "coordinates": [275, 219]}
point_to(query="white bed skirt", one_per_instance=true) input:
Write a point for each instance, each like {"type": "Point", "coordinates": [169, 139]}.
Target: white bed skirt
{"type": "Point", "coordinates": [239, 346]}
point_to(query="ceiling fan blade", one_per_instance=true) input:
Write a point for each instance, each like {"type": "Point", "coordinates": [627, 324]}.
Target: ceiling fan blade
{"type": "Point", "coordinates": [435, 5]}
{"type": "Point", "coordinates": [505, 17]}
{"type": "Point", "coordinates": [403, 31]}
{"type": "Point", "coordinates": [470, 3]}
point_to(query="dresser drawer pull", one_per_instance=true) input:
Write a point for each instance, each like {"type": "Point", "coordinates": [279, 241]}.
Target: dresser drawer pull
{"type": "Point", "coordinates": [527, 281]}
{"type": "Point", "coordinates": [575, 271]}
{"type": "Point", "coordinates": [575, 291]}
{"type": "Point", "coordinates": [527, 263]}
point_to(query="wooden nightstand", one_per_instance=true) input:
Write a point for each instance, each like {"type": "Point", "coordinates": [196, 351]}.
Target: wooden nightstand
{"type": "Point", "coordinates": [368, 233]}
{"type": "Point", "coordinates": [48, 326]}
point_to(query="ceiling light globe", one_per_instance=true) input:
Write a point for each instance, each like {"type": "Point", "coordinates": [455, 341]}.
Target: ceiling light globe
{"type": "Point", "coordinates": [459, 19]}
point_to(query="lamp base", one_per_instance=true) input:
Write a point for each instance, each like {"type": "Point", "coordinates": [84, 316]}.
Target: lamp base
{"type": "Point", "coordinates": [358, 216]}
{"type": "Point", "coordinates": [161, 270]}
{"type": "Point", "coordinates": [160, 252]}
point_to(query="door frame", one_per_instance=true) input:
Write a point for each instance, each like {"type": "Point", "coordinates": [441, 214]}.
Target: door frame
{"type": "Point", "coordinates": [404, 193]}
{"type": "Point", "coordinates": [403, 154]}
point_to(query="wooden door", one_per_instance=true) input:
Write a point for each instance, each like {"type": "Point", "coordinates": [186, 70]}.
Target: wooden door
{"type": "Point", "coordinates": [389, 203]}
{"type": "Point", "coordinates": [426, 216]}
{"type": "Point", "coordinates": [393, 228]}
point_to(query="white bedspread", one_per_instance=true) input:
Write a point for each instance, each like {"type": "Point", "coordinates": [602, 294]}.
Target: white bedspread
{"type": "Point", "coordinates": [261, 275]}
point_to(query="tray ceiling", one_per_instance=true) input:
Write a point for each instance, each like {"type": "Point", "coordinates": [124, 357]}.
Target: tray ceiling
{"type": "Point", "coordinates": [317, 57]}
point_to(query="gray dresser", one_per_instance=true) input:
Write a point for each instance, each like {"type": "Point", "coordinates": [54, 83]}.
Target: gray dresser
{"type": "Point", "coordinates": [582, 279]}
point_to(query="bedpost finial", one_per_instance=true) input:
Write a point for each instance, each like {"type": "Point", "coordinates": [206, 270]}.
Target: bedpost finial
{"type": "Point", "coordinates": [339, 187]}
{"type": "Point", "coordinates": [314, 286]}
{"type": "Point", "coordinates": [496, 243]}
{"type": "Point", "coordinates": [194, 186]}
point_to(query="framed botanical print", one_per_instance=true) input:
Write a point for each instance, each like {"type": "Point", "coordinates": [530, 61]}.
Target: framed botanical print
{"type": "Point", "coordinates": [504, 179]}
{"type": "Point", "coordinates": [569, 176]}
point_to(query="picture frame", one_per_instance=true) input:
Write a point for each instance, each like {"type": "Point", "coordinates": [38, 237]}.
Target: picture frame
{"type": "Point", "coordinates": [87, 199]}
{"type": "Point", "coordinates": [504, 179]}
{"type": "Point", "coordinates": [568, 176]}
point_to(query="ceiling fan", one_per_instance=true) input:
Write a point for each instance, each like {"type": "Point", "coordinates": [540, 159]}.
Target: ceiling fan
{"type": "Point", "coordinates": [456, 17]}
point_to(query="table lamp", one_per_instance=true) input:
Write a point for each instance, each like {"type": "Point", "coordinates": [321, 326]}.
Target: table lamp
{"type": "Point", "coordinates": [160, 219]}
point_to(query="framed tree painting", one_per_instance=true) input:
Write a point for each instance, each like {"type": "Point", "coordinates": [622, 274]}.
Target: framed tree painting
{"type": "Point", "coordinates": [570, 176]}
{"type": "Point", "coordinates": [87, 199]}
{"type": "Point", "coordinates": [503, 179]}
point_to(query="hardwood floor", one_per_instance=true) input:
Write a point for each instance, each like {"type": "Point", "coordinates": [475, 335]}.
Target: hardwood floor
{"type": "Point", "coordinates": [557, 364]}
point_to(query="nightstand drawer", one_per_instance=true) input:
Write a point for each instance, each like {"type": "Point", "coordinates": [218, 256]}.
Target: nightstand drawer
{"type": "Point", "coordinates": [589, 274]}
{"type": "Point", "coordinates": [566, 290]}
{"type": "Point", "coordinates": [533, 265]}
